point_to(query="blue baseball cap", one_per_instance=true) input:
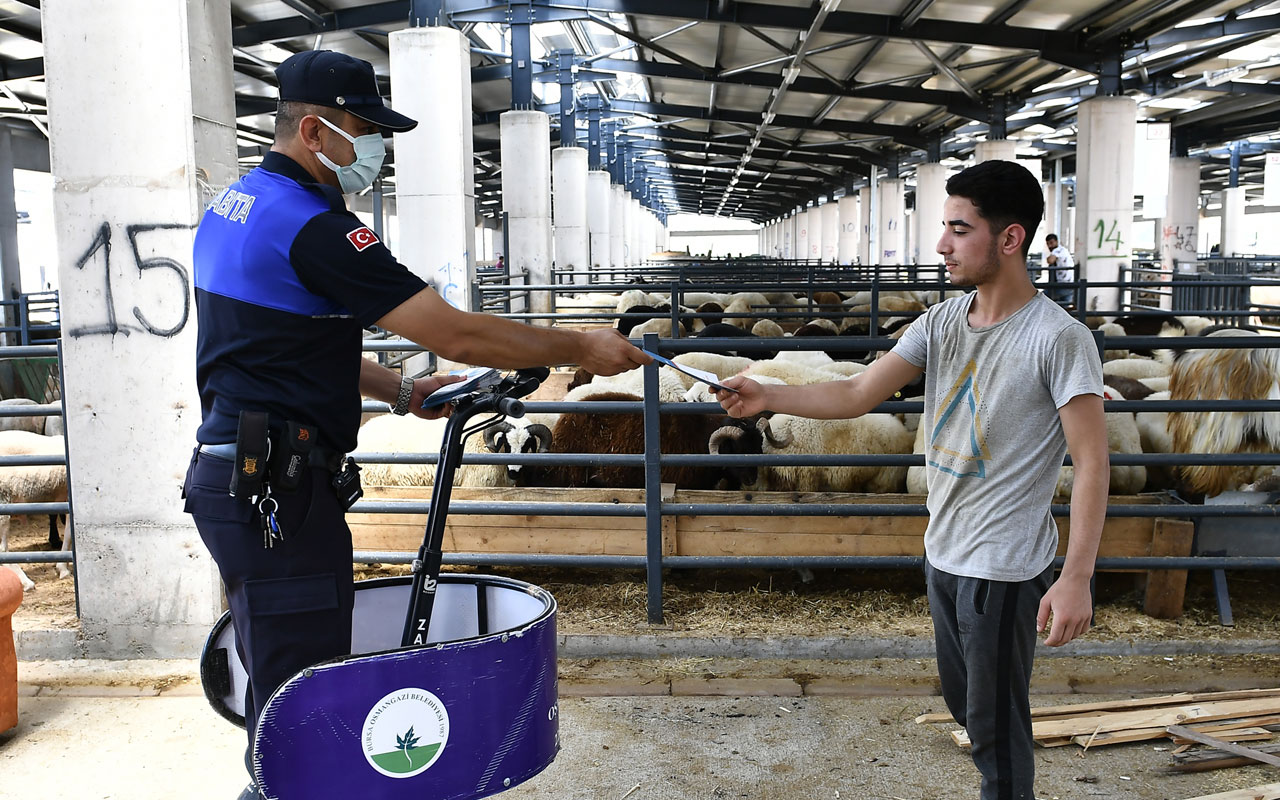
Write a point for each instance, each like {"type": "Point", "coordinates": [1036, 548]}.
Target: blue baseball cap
{"type": "Point", "coordinates": [337, 80]}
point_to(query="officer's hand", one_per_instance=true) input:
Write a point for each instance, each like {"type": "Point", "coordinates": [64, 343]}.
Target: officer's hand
{"type": "Point", "coordinates": [607, 352]}
{"type": "Point", "coordinates": [1051, 260]}
{"type": "Point", "coordinates": [747, 401]}
{"type": "Point", "coordinates": [425, 386]}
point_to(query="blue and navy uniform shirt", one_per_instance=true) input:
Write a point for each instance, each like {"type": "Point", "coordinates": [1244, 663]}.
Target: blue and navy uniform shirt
{"type": "Point", "coordinates": [286, 279]}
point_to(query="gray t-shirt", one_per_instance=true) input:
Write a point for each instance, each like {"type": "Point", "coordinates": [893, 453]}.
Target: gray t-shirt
{"type": "Point", "coordinates": [994, 441]}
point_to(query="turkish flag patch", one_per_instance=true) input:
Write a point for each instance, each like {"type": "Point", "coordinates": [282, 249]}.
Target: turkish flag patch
{"type": "Point", "coordinates": [362, 239]}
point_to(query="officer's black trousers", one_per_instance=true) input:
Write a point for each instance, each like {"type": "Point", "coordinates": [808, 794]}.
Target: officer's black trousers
{"type": "Point", "coordinates": [291, 603]}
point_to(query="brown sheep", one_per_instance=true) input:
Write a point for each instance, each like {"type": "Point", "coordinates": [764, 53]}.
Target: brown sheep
{"type": "Point", "coordinates": [624, 434]}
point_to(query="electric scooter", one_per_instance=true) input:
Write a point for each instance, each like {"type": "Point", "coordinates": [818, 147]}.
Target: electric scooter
{"type": "Point", "coordinates": [450, 690]}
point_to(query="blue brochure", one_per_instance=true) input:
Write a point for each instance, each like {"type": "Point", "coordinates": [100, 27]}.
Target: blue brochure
{"type": "Point", "coordinates": [476, 378]}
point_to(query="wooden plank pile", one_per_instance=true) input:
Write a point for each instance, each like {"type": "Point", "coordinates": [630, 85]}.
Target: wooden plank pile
{"type": "Point", "coordinates": [1206, 729]}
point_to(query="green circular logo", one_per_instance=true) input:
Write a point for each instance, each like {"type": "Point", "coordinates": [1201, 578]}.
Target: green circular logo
{"type": "Point", "coordinates": [405, 733]}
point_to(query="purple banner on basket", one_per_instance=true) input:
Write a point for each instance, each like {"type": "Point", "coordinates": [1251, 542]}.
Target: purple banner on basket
{"type": "Point", "coordinates": [463, 719]}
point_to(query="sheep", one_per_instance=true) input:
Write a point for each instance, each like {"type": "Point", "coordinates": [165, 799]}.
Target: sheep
{"type": "Point", "coordinates": [1160, 384]}
{"type": "Point", "coordinates": [1135, 367]}
{"type": "Point", "coordinates": [745, 303]}
{"type": "Point", "coordinates": [32, 485]}
{"type": "Point", "coordinates": [392, 434]}
{"type": "Point", "coordinates": [791, 372]}
{"type": "Point", "coordinates": [658, 325]}
{"type": "Point", "coordinates": [870, 433]}
{"type": "Point", "coordinates": [624, 434]}
{"type": "Point", "coordinates": [918, 477]}
{"type": "Point", "coordinates": [29, 424]}
{"type": "Point", "coordinates": [637, 297]}
{"type": "Point", "coordinates": [1111, 329]}
{"type": "Point", "coordinates": [723, 330]}
{"type": "Point", "coordinates": [767, 329]}
{"type": "Point", "coordinates": [810, 358]}
{"type": "Point", "coordinates": [1128, 388]}
{"type": "Point", "coordinates": [721, 366]}
{"type": "Point", "coordinates": [1153, 431]}
{"type": "Point", "coordinates": [1122, 437]}
{"type": "Point", "coordinates": [1222, 374]}
{"type": "Point", "coordinates": [818, 327]}
{"type": "Point", "coordinates": [671, 385]}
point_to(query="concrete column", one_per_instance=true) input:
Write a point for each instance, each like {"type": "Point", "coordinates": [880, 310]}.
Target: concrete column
{"type": "Point", "coordinates": [599, 204]}
{"type": "Point", "coordinates": [995, 149]}
{"type": "Point", "coordinates": [893, 214]}
{"type": "Point", "coordinates": [815, 233]}
{"type": "Point", "coordinates": [931, 194]}
{"type": "Point", "coordinates": [1235, 238]}
{"type": "Point", "coordinates": [10, 265]}
{"type": "Point", "coordinates": [146, 137]}
{"type": "Point", "coordinates": [1104, 193]}
{"type": "Point", "coordinates": [847, 229]}
{"type": "Point", "coordinates": [830, 232]}
{"type": "Point", "coordinates": [617, 227]}
{"type": "Point", "coordinates": [435, 184]}
{"type": "Point", "coordinates": [804, 232]}
{"type": "Point", "coordinates": [864, 226]}
{"type": "Point", "coordinates": [1179, 230]}
{"type": "Point", "coordinates": [526, 197]}
{"type": "Point", "coordinates": [569, 206]}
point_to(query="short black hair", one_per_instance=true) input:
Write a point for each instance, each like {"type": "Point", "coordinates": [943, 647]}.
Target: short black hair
{"type": "Point", "coordinates": [289, 113]}
{"type": "Point", "coordinates": [1005, 193]}
{"type": "Point", "coordinates": [1051, 236]}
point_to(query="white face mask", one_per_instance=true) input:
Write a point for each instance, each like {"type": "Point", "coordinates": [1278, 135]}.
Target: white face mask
{"type": "Point", "coordinates": [359, 174]}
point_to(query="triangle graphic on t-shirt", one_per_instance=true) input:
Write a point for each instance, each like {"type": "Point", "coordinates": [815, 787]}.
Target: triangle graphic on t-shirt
{"type": "Point", "coordinates": [958, 446]}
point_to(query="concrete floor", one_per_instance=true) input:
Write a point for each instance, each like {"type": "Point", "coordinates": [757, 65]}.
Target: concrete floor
{"type": "Point", "coordinates": [103, 735]}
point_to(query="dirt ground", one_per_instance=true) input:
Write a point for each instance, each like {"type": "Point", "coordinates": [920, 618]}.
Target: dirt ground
{"type": "Point", "coordinates": [881, 603]}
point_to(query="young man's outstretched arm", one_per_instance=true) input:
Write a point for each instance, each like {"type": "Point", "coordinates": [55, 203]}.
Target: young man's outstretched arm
{"type": "Point", "coordinates": [844, 399]}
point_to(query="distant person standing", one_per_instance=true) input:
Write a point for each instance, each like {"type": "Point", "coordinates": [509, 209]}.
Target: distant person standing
{"type": "Point", "coordinates": [1062, 267]}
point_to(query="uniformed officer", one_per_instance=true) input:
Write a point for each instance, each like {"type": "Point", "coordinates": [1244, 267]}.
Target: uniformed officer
{"type": "Point", "coordinates": [286, 280]}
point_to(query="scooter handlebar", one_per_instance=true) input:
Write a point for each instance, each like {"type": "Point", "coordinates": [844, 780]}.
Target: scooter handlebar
{"type": "Point", "coordinates": [510, 407]}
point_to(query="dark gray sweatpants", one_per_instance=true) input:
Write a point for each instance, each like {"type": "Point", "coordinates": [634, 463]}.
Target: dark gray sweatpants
{"type": "Point", "coordinates": [985, 632]}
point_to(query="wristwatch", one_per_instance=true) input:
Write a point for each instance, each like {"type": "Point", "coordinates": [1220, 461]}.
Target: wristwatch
{"type": "Point", "coordinates": [402, 400]}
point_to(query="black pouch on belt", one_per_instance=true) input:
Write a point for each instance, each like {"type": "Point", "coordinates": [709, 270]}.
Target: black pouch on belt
{"type": "Point", "coordinates": [292, 453]}
{"type": "Point", "coordinates": [252, 451]}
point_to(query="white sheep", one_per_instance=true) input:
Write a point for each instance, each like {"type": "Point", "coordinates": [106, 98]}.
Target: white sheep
{"type": "Point", "coordinates": [1136, 368]}
{"type": "Point", "coordinates": [745, 303]}
{"type": "Point", "coordinates": [868, 434]}
{"type": "Point", "coordinates": [721, 366]}
{"type": "Point", "coordinates": [637, 297]}
{"type": "Point", "coordinates": [29, 424]}
{"type": "Point", "coordinates": [808, 358]}
{"type": "Point", "coordinates": [768, 329]}
{"type": "Point", "coordinates": [1110, 329]}
{"type": "Point", "coordinates": [792, 373]}
{"type": "Point", "coordinates": [1156, 384]}
{"type": "Point", "coordinates": [918, 477]}
{"type": "Point", "coordinates": [660, 326]}
{"type": "Point", "coordinates": [32, 485]}
{"type": "Point", "coordinates": [392, 434]}
{"type": "Point", "coordinates": [1123, 437]}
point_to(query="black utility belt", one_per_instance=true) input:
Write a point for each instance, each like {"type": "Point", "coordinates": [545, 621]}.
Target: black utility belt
{"type": "Point", "coordinates": [320, 457]}
{"type": "Point", "coordinates": [267, 461]}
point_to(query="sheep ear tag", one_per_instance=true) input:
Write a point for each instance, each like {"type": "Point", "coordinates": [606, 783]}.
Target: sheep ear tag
{"type": "Point", "coordinates": [709, 378]}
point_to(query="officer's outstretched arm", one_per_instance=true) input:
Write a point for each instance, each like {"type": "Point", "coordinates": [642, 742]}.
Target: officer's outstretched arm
{"type": "Point", "coordinates": [485, 340]}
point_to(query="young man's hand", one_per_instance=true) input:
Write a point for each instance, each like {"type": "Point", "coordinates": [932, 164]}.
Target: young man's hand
{"type": "Point", "coordinates": [1070, 605]}
{"type": "Point", "coordinates": [607, 352]}
{"type": "Point", "coordinates": [747, 401]}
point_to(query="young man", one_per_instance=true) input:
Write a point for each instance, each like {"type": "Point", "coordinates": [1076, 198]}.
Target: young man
{"type": "Point", "coordinates": [1011, 382]}
{"type": "Point", "coordinates": [1061, 265]}
{"type": "Point", "coordinates": [286, 280]}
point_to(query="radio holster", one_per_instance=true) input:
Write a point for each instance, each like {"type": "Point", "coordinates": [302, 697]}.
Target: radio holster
{"type": "Point", "coordinates": [253, 449]}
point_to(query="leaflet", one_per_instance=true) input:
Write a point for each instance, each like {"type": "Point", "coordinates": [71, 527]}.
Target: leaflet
{"type": "Point", "coordinates": [709, 378]}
